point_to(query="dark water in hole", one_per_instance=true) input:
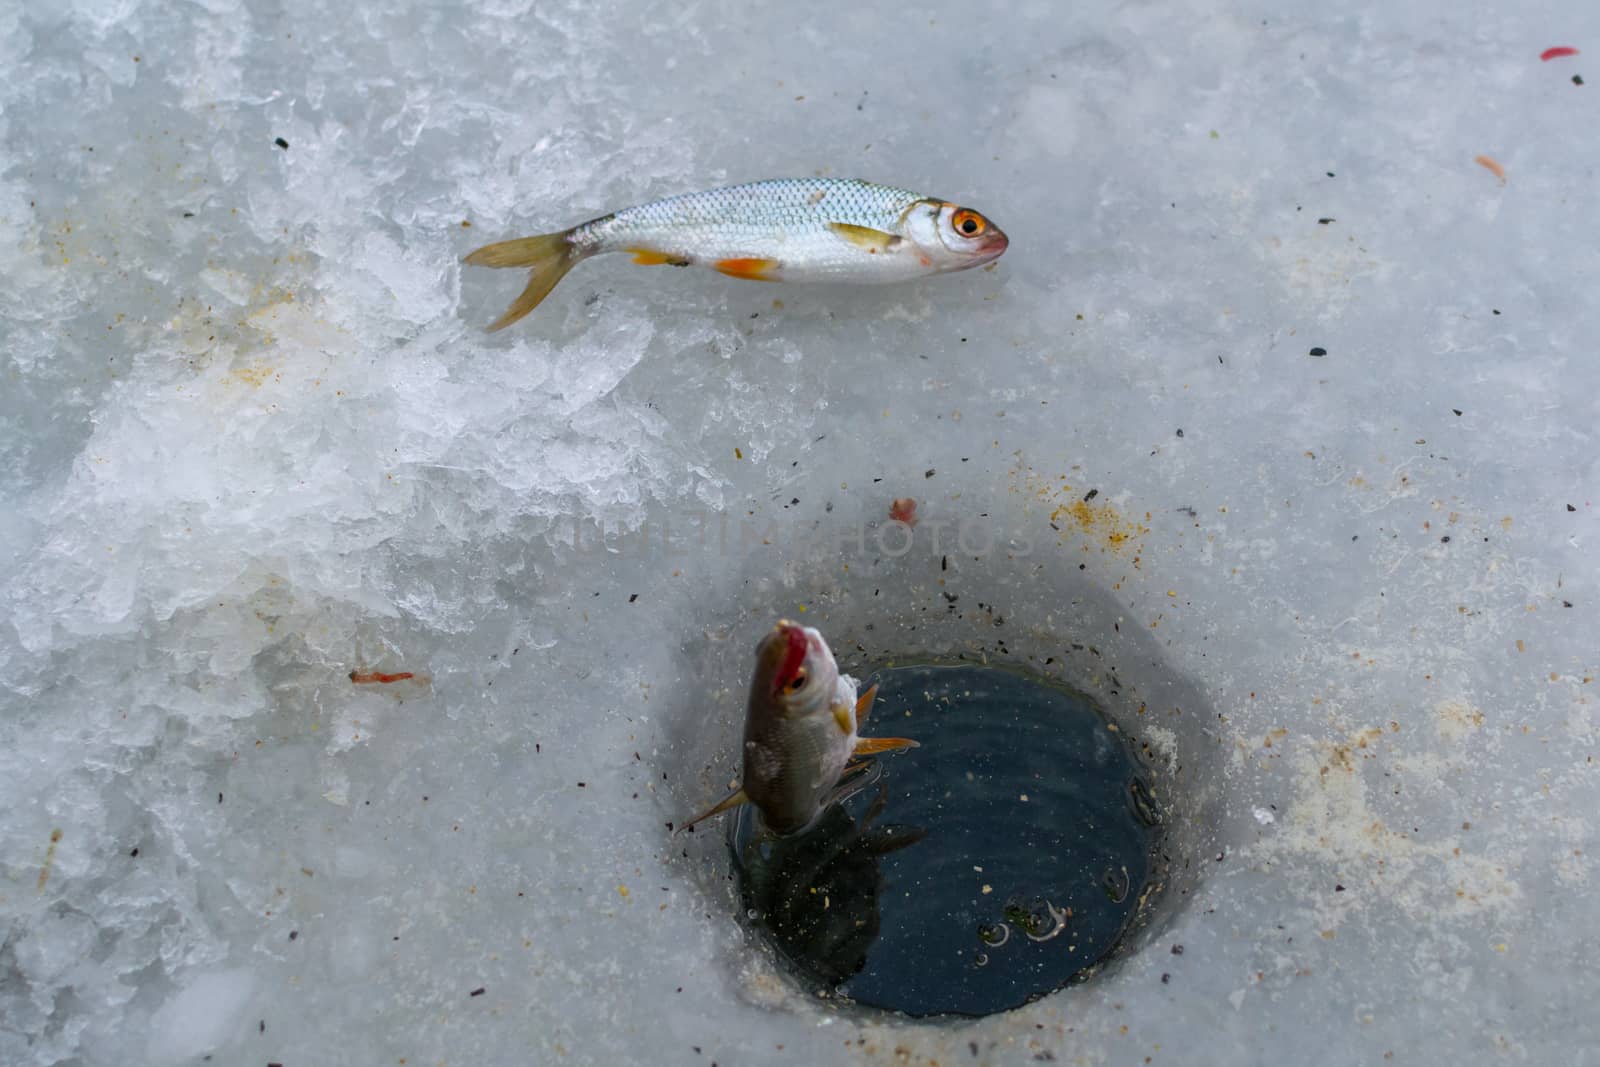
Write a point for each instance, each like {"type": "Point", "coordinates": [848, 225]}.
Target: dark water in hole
{"type": "Point", "coordinates": [975, 873]}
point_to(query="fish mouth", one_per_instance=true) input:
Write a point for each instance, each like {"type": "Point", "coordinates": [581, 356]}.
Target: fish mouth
{"type": "Point", "coordinates": [782, 653]}
{"type": "Point", "coordinates": [980, 250]}
{"type": "Point", "coordinates": [994, 245]}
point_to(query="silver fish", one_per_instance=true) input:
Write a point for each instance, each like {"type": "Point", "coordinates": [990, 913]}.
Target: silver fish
{"type": "Point", "coordinates": [781, 230]}
{"type": "Point", "coordinates": [799, 731]}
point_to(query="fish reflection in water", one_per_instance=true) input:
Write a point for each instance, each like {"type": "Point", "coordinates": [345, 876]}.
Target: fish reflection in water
{"type": "Point", "coordinates": [817, 892]}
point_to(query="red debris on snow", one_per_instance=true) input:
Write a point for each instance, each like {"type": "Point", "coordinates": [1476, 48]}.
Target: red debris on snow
{"type": "Point", "coordinates": [369, 677]}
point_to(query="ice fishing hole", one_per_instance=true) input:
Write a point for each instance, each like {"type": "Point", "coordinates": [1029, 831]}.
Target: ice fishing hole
{"type": "Point", "coordinates": [1004, 859]}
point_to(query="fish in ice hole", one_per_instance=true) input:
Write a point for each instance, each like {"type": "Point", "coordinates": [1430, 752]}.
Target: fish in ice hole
{"type": "Point", "coordinates": [800, 732]}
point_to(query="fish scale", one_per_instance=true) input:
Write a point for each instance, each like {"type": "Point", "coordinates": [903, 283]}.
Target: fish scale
{"type": "Point", "coordinates": [785, 221]}
{"type": "Point", "coordinates": [796, 760]}
{"type": "Point", "coordinates": [790, 206]}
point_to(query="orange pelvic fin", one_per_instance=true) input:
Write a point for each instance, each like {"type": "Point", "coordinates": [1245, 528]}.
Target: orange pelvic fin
{"type": "Point", "coordinates": [872, 746]}
{"type": "Point", "coordinates": [756, 270]}
{"type": "Point", "coordinates": [732, 800]}
{"type": "Point", "coordinates": [651, 258]}
{"type": "Point", "coordinates": [864, 705]}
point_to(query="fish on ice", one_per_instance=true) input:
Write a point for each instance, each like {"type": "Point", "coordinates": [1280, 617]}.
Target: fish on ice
{"type": "Point", "coordinates": [780, 230]}
{"type": "Point", "coordinates": [800, 731]}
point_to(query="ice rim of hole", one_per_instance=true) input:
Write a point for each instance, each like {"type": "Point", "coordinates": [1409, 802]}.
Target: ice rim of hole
{"type": "Point", "coordinates": [1052, 612]}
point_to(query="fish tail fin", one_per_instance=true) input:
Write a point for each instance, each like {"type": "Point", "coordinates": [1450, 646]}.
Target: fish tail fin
{"type": "Point", "coordinates": [732, 800]}
{"type": "Point", "coordinates": [549, 256]}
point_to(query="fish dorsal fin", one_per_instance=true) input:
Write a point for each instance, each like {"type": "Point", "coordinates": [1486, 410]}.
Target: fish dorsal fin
{"type": "Point", "coordinates": [865, 237]}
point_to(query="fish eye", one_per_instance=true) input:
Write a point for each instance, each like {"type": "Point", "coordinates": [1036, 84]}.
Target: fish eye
{"type": "Point", "coordinates": [798, 682]}
{"type": "Point", "coordinates": [968, 223]}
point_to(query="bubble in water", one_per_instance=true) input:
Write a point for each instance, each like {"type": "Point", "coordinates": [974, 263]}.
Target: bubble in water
{"type": "Point", "coordinates": [1116, 884]}
{"type": "Point", "coordinates": [994, 934]}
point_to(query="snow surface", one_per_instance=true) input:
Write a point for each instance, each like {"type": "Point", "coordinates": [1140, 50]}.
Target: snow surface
{"type": "Point", "coordinates": [252, 439]}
